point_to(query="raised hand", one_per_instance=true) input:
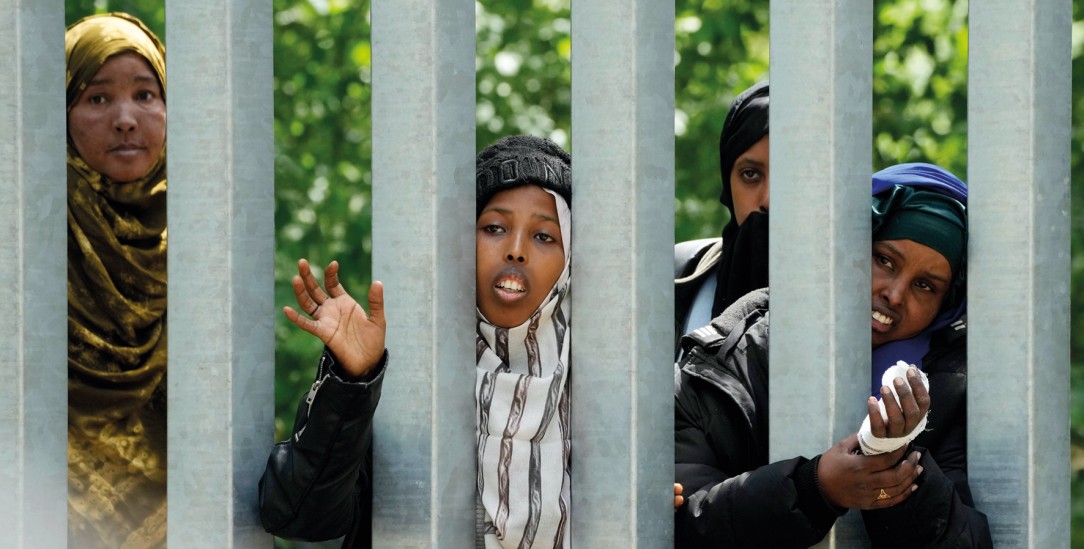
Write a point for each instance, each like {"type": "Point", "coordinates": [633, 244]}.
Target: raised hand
{"type": "Point", "coordinates": [355, 338]}
{"type": "Point", "coordinates": [902, 417]}
{"type": "Point", "coordinates": [849, 479]}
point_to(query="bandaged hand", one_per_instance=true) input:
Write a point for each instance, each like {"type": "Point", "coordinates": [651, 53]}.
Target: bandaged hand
{"type": "Point", "coordinates": [899, 416]}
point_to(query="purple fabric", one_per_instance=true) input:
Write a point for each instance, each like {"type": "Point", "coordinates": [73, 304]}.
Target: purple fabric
{"type": "Point", "coordinates": [930, 178]}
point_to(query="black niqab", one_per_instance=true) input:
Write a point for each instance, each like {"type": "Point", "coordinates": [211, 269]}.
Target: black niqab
{"type": "Point", "coordinates": [744, 265]}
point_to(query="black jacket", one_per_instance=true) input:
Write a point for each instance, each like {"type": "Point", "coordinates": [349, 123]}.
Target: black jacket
{"type": "Point", "coordinates": [318, 484]}
{"type": "Point", "coordinates": [736, 498]}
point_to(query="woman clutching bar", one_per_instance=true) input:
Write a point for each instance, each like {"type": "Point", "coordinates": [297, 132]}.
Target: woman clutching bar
{"type": "Point", "coordinates": [317, 485]}
{"type": "Point", "coordinates": [906, 467]}
{"type": "Point", "coordinates": [116, 283]}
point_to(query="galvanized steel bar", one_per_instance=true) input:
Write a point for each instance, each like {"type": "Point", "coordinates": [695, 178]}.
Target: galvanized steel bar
{"type": "Point", "coordinates": [622, 242]}
{"type": "Point", "coordinates": [821, 137]}
{"type": "Point", "coordinates": [33, 255]}
{"type": "Point", "coordinates": [221, 270]}
{"type": "Point", "coordinates": [1018, 169]}
{"type": "Point", "coordinates": [423, 250]}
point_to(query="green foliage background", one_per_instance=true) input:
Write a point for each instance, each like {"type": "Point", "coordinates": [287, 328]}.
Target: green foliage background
{"type": "Point", "coordinates": [323, 142]}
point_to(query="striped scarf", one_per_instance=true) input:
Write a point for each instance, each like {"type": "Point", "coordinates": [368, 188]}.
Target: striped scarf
{"type": "Point", "coordinates": [523, 429]}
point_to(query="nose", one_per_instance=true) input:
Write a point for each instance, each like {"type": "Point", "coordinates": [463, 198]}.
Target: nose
{"type": "Point", "coordinates": [892, 293]}
{"type": "Point", "coordinates": [125, 120]}
{"type": "Point", "coordinates": [765, 197]}
{"type": "Point", "coordinates": [517, 248]}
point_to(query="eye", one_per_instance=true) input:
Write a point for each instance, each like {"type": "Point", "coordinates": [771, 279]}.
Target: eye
{"type": "Point", "coordinates": [96, 99]}
{"type": "Point", "coordinates": [749, 174]}
{"type": "Point", "coordinates": [925, 286]}
{"type": "Point", "coordinates": [883, 261]}
{"type": "Point", "coordinates": [144, 95]}
{"type": "Point", "coordinates": [493, 229]}
{"type": "Point", "coordinates": [543, 237]}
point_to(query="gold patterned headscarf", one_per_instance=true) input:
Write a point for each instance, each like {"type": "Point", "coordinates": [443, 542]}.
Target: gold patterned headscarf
{"type": "Point", "coordinates": [116, 320]}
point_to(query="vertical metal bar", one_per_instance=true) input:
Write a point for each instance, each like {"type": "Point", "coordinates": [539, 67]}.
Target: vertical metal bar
{"type": "Point", "coordinates": [1018, 168]}
{"type": "Point", "coordinates": [622, 241]}
{"type": "Point", "coordinates": [820, 147]}
{"type": "Point", "coordinates": [423, 249]}
{"type": "Point", "coordinates": [33, 254]}
{"type": "Point", "coordinates": [221, 270]}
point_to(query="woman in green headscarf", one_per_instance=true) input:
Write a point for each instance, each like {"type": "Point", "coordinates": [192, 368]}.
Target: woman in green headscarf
{"type": "Point", "coordinates": [116, 283]}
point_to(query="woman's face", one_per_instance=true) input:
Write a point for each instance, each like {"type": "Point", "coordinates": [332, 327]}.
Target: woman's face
{"type": "Point", "coordinates": [749, 181]}
{"type": "Point", "coordinates": [520, 254]}
{"type": "Point", "coordinates": [118, 124]}
{"type": "Point", "coordinates": [910, 281]}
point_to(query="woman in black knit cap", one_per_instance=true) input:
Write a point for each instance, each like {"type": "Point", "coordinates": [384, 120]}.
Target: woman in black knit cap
{"type": "Point", "coordinates": [317, 485]}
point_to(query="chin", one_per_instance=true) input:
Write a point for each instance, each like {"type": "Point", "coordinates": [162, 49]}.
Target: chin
{"type": "Point", "coordinates": [126, 174]}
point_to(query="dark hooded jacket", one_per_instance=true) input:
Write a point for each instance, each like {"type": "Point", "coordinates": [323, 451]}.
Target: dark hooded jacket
{"type": "Point", "coordinates": [736, 498]}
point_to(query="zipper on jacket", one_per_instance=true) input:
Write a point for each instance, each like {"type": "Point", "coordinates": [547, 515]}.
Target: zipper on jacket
{"type": "Point", "coordinates": [322, 373]}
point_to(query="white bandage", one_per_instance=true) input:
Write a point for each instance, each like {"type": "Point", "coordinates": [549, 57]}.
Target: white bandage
{"type": "Point", "coordinates": [872, 445]}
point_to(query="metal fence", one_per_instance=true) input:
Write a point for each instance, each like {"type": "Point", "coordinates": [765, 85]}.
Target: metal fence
{"type": "Point", "coordinates": [221, 246]}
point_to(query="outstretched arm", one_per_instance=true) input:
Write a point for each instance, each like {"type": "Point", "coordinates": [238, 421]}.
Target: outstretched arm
{"type": "Point", "coordinates": [318, 484]}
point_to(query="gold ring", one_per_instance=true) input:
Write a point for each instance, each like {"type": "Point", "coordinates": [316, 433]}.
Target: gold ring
{"type": "Point", "coordinates": [883, 495]}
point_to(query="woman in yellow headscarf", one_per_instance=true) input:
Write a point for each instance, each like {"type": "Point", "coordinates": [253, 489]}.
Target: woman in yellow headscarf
{"type": "Point", "coordinates": [116, 283]}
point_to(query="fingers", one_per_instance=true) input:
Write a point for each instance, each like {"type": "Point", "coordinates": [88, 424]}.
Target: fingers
{"type": "Point", "coordinates": [376, 303]}
{"type": "Point", "coordinates": [885, 497]}
{"type": "Point", "coordinates": [904, 415]}
{"type": "Point", "coordinates": [922, 396]}
{"type": "Point", "coordinates": [678, 499]}
{"type": "Point", "coordinates": [876, 421]}
{"type": "Point", "coordinates": [911, 413]}
{"type": "Point", "coordinates": [894, 425]}
{"type": "Point", "coordinates": [304, 300]}
{"type": "Point", "coordinates": [316, 294]}
{"type": "Point", "coordinates": [898, 483]}
{"type": "Point", "coordinates": [302, 322]}
{"type": "Point", "coordinates": [331, 280]}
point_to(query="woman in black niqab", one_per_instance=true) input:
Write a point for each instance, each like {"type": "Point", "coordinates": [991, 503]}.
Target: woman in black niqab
{"type": "Point", "coordinates": [744, 264]}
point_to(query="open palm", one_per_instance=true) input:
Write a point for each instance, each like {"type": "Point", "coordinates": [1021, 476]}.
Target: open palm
{"type": "Point", "coordinates": [354, 337]}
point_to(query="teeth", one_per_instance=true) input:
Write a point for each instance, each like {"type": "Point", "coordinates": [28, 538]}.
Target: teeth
{"type": "Point", "coordinates": [881, 318]}
{"type": "Point", "coordinates": [510, 285]}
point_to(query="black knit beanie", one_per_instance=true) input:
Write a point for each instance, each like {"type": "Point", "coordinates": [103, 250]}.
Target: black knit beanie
{"type": "Point", "coordinates": [522, 160]}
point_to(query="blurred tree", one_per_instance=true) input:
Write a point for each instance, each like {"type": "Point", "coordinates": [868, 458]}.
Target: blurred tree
{"type": "Point", "coordinates": [151, 12]}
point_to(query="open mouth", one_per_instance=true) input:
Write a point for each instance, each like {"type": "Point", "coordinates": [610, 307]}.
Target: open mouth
{"type": "Point", "coordinates": [881, 322]}
{"type": "Point", "coordinates": [510, 287]}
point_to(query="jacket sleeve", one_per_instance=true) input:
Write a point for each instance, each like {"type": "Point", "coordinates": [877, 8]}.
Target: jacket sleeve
{"type": "Point", "coordinates": [318, 484]}
{"type": "Point", "coordinates": [934, 516]}
{"type": "Point", "coordinates": [941, 512]}
{"type": "Point", "coordinates": [773, 505]}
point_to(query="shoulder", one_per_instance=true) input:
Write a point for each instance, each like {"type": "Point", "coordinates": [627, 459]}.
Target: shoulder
{"type": "Point", "coordinates": [692, 258]}
{"type": "Point", "coordinates": [746, 315]}
{"type": "Point", "coordinates": [731, 353]}
{"type": "Point", "coordinates": [948, 350]}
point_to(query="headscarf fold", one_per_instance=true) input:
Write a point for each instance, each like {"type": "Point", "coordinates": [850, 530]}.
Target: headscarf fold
{"type": "Point", "coordinates": [744, 264]}
{"type": "Point", "coordinates": [523, 429]}
{"type": "Point", "coordinates": [116, 320]}
{"type": "Point", "coordinates": [931, 178]}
